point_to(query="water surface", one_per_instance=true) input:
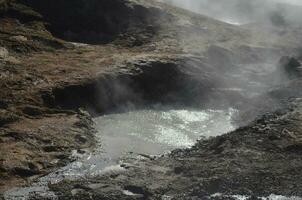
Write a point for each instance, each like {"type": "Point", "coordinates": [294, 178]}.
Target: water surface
{"type": "Point", "coordinates": [133, 133]}
{"type": "Point", "coordinates": [158, 131]}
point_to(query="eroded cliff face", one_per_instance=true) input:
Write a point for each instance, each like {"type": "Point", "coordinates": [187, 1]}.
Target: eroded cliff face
{"type": "Point", "coordinates": [126, 52]}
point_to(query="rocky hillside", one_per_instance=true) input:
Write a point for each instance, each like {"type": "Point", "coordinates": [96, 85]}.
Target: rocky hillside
{"type": "Point", "coordinates": [62, 61]}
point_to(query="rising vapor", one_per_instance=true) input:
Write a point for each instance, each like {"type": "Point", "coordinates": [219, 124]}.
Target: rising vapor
{"type": "Point", "coordinates": [245, 11]}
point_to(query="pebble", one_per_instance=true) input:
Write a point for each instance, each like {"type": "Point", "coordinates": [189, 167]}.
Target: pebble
{"type": "Point", "coordinates": [3, 53]}
{"type": "Point", "coordinates": [19, 38]}
{"type": "Point", "coordinates": [76, 191]}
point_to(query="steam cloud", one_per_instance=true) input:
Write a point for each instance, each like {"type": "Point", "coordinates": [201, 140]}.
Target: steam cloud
{"type": "Point", "coordinates": [246, 11]}
{"type": "Point", "coordinates": [273, 20]}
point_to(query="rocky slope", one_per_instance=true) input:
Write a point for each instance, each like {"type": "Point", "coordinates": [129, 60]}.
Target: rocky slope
{"type": "Point", "coordinates": [255, 161]}
{"type": "Point", "coordinates": [148, 52]}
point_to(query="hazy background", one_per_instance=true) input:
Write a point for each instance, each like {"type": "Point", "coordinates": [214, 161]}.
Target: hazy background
{"type": "Point", "coordinates": [246, 11]}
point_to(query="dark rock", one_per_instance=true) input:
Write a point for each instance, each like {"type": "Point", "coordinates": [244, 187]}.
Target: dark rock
{"type": "Point", "coordinates": [81, 151]}
{"type": "Point", "coordinates": [26, 171]}
{"type": "Point", "coordinates": [13, 134]}
{"type": "Point", "coordinates": [51, 148]}
{"type": "Point", "coordinates": [48, 98]}
{"type": "Point", "coordinates": [291, 66]}
{"type": "Point", "coordinates": [62, 156]}
{"type": "Point", "coordinates": [33, 111]}
{"type": "Point", "coordinates": [295, 148]}
{"type": "Point", "coordinates": [81, 138]}
{"type": "Point", "coordinates": [274, 136]}
{"type": "Point", "coordinates": [3, 104]}
{"type": "Point", "coordinates": [179, 170]}
{"type": "Point", "coordinates": [7, 117]}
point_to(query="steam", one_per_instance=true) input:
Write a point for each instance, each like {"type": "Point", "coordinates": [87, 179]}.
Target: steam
{"type": "Point", "coordinates": [246, 11]}
{"type": "Point", "coordinates": [254, 66]}
{"type": "Point", "coordinates": [293, 2]}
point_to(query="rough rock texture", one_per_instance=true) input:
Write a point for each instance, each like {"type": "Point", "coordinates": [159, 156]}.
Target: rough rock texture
{"type": "Point", "coordinates": [258, 160]}
{"type": "Point", "coordinates": [97, 21]}
{"type": "Point", "coordinates": [149, 52]}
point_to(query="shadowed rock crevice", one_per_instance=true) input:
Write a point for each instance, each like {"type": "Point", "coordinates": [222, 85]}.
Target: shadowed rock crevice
{"type": "Point", "coordinates": [93, 21]}
{"type": "Point", "coordinates": [149, 83]}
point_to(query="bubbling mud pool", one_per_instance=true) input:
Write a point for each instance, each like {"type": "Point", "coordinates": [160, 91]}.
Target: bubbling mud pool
{"type": "Point", "coordinates": [134, 133]}
{"type": "Point", "coordinates": [158, 131]}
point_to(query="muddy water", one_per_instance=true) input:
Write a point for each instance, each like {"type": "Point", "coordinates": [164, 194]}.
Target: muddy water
{"type": "Point", "coordinates": [158, 131]}
{"type": "Point", "coordinates": [133, 133]}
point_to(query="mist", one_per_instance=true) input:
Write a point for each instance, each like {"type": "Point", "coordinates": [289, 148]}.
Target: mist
{"type": "Point", "coordinates": [272, 21]}
{"type": "Point", "coordinates": [278, 12]}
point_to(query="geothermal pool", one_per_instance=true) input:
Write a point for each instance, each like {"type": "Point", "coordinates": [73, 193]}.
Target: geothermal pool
{"type": "Point", "coordinates": [133, 133]}
{"type": "Point", "coordinates": [156, 131]}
